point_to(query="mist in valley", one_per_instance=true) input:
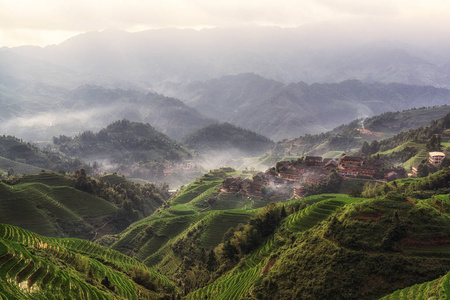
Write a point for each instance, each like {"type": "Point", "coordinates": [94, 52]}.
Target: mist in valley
{"type": "Point", "coordinates": [304, 70]}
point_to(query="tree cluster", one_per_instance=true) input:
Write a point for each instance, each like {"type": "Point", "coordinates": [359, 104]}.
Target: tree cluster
{"type": "Point", "coordinates": [433, 184]}
{"type": "Point", "coordinates": [20, 151]}
{"type": "Point", "coordinates": [136, 201]}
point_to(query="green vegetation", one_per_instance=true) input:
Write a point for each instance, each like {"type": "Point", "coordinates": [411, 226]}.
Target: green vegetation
{"type": "Point", "coordinates": [227, 137]}
{"type": "Point", "coordinates": [356, 253]}
{"type": "Point", "coordinates": [301, 248]}
{"type": "Point", "coordinates": [20, 157]}
{"type": "Point", "coordinates": [347, 137]}
{"type": "Point", "coordinates": [214, 244]}
{"type": "Point", "coordinates": [14, 167]}
{"type": "Point", "coordinates": [123, 142]}
{"type": "Point", "coordinates": [78, 205]}
{"type": "Point", "coordinates": [36, 267]}
{"type": "Point", "coordinates": [434, 184]}
{"type": "Point", "coordinates": [435, 289]}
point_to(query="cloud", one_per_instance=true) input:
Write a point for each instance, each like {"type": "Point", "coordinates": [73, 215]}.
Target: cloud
{"type": "Point", "coordinates": [362, 8]}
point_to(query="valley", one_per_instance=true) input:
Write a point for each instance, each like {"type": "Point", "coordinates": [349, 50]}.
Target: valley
{"type": "Point", "coordinates": [249, 162]}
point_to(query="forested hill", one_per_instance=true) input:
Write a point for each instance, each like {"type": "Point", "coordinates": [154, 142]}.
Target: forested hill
{"type": "Point", "coordinates": [225, 244]}
{"type": "Point", "coordinates": [37, 112]}
{"type": "Point", "coordinates": [19, 157]}
{"type": "Point", "coordinates": [223, 137]}
{"type": "Point", "coordinates": [288, 111]}
{"type": "Point", "coordinates": [123, 141]}
{"type": "Point", "coordinates": [352, 135]}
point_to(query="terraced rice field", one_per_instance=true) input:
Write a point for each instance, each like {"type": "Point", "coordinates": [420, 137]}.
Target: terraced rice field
{"type": "Point", "coordinates": [435, 289]}
{"type": "Point", "coordinates": [19, 168]}
{"type": "Point", "coordinates": [316, 212]}
{"type": "Point", "coordinates": [236, 284]}
{"type": "Point", "coordinates": [43, 208]}
{"type": "Point", "coordinates": [219, 222]}
{"type": "Point", "coordinates": [48, 178]}
{"type": "Point", "coordinates": [32, 266]}
{"type": "Point", "coordinates": [199, 201]}
{"type": "Point", "coordinates": [194, 190]}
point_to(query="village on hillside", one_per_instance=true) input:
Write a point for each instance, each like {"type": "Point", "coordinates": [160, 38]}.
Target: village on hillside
{"type": "Point", "coordinates": [291, 178]}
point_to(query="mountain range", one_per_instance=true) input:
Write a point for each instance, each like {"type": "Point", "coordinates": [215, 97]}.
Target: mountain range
{"type": "Point", "coordinates": [38, 111]}
{"type": "Point", "coordinates": [286, 111]}
{"type": "Point", "coordinates": [119, 58]}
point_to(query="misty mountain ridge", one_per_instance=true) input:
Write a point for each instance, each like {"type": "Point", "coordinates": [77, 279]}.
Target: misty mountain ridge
{"type": "Point", "coordinates": [287, 55]}
{"type": "Point", "coordinates": [121, 142]}
{"type": "Point", "coordinates": [226, 137]}
{"type": "Point", "coordinates": [38, 111]}
{"type": "Point", "coordinates": [287, 111]}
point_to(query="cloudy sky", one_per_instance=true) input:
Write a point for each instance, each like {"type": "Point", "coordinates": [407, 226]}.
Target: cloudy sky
{"type": "Point", "coordinates": [44, 22]}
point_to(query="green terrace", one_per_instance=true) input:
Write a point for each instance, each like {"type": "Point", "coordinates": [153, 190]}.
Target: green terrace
{"type": "Point", "coordinates": [33, 266]}
{"type": "Point", "coordinates": [236, 283]}
{"type": "Point", "coordinates": [18, 167]}
{"type": "Point", "coordinates": [435, 289]}
{"type": "Point", "coordinates": [35, 206]}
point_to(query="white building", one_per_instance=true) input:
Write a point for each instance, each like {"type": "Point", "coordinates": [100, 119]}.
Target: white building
{"type": "Point", "coordinates": [435, 158]}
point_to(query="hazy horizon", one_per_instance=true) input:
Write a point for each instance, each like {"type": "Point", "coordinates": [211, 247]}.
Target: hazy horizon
{"type": "Point", "coordinates": [45, 23]}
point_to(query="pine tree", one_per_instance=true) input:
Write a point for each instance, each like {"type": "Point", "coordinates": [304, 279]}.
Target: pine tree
{"type": "Point", "coordinates": [211, 263]}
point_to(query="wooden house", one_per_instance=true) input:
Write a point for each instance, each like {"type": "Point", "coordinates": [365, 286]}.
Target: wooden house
{"type": "Point", "coordinates": [313, 160]}
{"type": "Point", "coordinates": [351, 161]}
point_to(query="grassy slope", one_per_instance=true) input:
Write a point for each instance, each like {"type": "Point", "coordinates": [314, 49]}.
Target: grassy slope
{"type": "Point", "coordinates": [18, 167]}
{"type": "Point", "coordinates": [236, 283]}
{"type": "Point", "coordinates": [388, 124]}
{"type": "Point", "coordinates": [148, 239]}
{"type": "Point", "coordinates": [46, 205]}
{"type": "Point", "coordinates": [329, 236]}
{"type": "Point", "coordinates": [36, 267]}
{"type": "Point", "coordinates": [356, 254]}
{"type": "Point", "coordinates": [434, 289]}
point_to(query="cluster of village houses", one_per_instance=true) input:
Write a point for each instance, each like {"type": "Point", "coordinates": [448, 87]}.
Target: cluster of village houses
{"type": "Point", "coordinates": [290, 177]}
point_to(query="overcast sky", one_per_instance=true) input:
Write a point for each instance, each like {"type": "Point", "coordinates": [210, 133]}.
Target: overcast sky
{"type": "Point", "coordinates": [44, 22]}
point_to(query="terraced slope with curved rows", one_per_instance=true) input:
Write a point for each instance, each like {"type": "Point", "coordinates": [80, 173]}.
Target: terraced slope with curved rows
{"type": "Point", "coordinates": [53, 210]}
{"type": "Point", "coordinates": [435, 289]}
{"type": "Point", "coordinates": [236, 283]}
{"type": "Point", "coordinates": [37, 267]}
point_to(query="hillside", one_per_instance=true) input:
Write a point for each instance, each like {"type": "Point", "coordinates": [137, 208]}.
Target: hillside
{"type": "Point", "coordinates": [221, 98]}
{"type": "Point", "coordinates": [33, 111]}
{"type": "Point", "coordinates": [124, 143]}
{"type": "Point", "coordinates": [227, 138]}
{"type": "Point", "coordinates": [168, 115]}
{"type": "Point", "coordinates": [302, 108]}
{"type": "Point", "coordinates": [23, 157]}
{"type": "Point", "coordinates": [36, 267]}
{"type": "Point", "coordinates": [393, 241]}
{"type": "Point", "coordinates": [376, 239]}
{"type": "Point", "coordinates": [411, 148]}
{"type": "Point", "coordinates": [213, 242]}
{"type": "Point", "coordinates": [288, 111]}
{"type": "Point", "coordinates": [57, 205]}
{"type": "Point", "coordinates": [11, 167]}
{"type": "Point", "coordinates": [351, 136]}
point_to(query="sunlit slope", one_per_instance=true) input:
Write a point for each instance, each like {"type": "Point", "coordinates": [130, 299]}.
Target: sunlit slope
{"type": "Point", "coordinates": [363, 251]}
{"type": "Point", "coordinates": [435, 289]}
{"type": "Point", "coordinates": [236, 284]}
{"type": "Point", "coordinates": [36, 267]}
